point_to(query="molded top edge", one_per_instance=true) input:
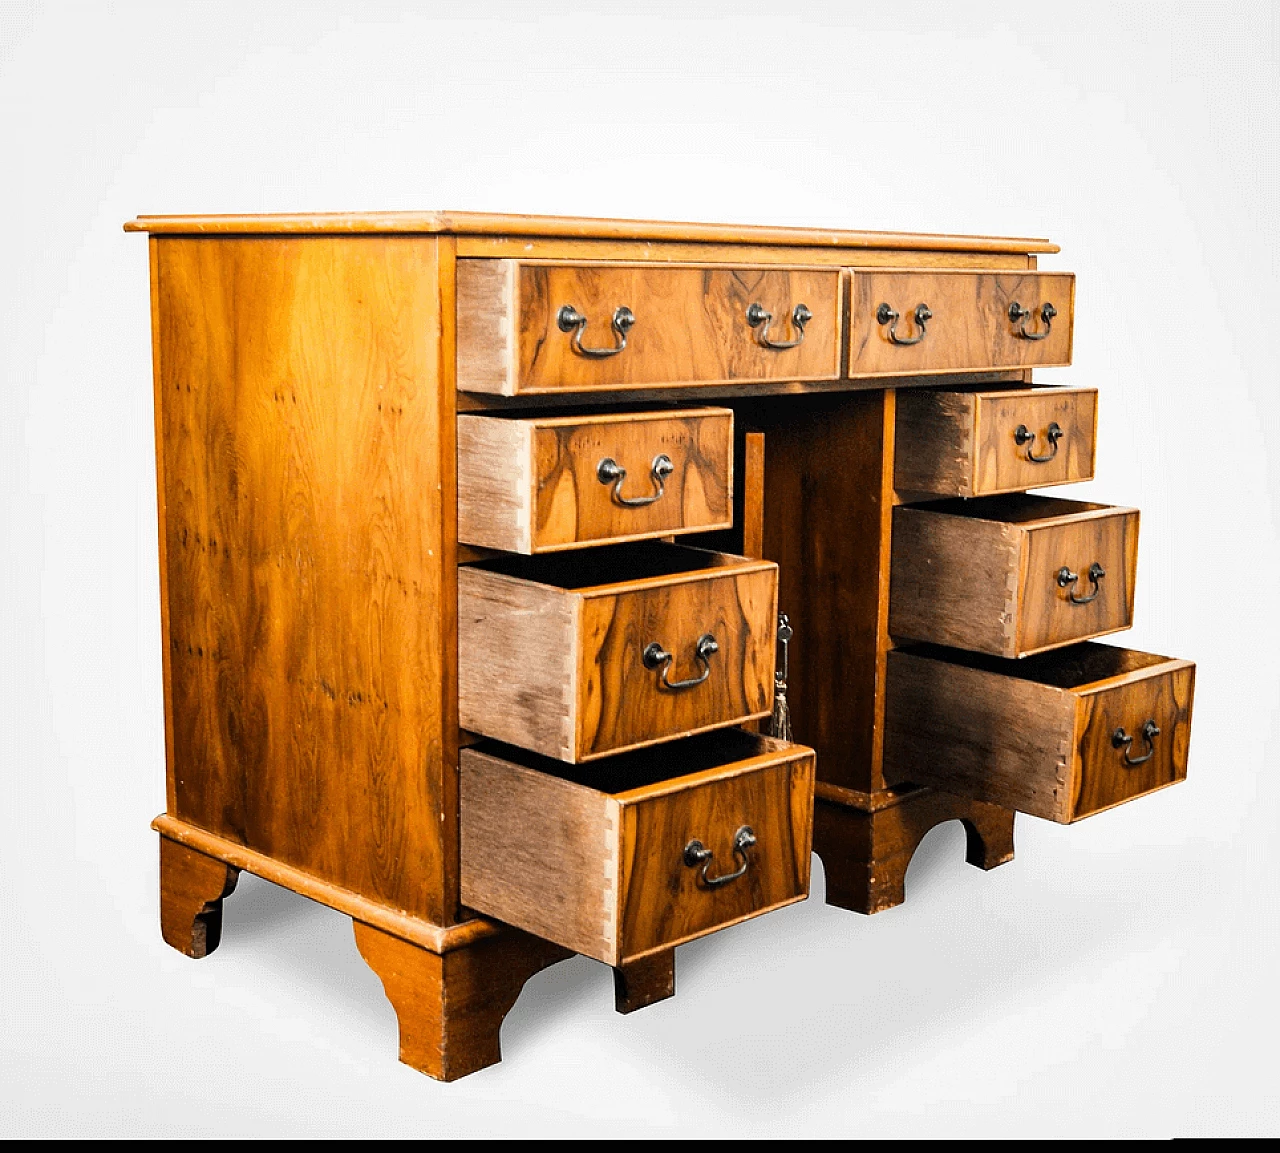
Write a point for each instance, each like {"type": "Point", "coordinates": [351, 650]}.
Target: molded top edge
{"type": "Point", "coordinates": [570, 227]}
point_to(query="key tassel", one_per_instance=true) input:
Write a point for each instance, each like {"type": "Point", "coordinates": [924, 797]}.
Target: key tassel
{"type": "Point", "coordinates": [780, 722]}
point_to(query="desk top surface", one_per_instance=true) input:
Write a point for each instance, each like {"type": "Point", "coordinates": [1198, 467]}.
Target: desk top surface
{"type": "Point", "coordinates": [569, 227]}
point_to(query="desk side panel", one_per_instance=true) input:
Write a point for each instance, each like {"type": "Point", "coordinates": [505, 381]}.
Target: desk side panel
{"type": "Point", "coordinates": [307, 526]}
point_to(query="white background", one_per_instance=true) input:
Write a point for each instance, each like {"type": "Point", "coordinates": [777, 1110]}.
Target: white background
{"type": "Point", "coordinates": [1119, 977]}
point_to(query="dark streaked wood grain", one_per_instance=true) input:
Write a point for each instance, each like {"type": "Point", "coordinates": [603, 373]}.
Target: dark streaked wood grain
{"type": "Point", "coordinates": [982, 575]}
{"type": "Point", "coordinates": [963, 443]}
{"type": "Point", "coordinates": [1035, 735]}
{"type": "Point", "coordinates": [970, 330]}
{"type": "Point", "coordinates": [690, 325]}
{"type": "Point", "coordinates": [592, 857]}
{"type": "Point", "coordinates": [308, 540]}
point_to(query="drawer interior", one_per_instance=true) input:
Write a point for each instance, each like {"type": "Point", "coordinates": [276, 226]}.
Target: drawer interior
{"type": "Point", "coordinates": [638, 853]}
{"type": "Point", "coordinates": [608, 564]}
{"type": "Point", "coordinates": [1012, 507]}
{"type": "Point", "coordinates": [1083, 664]}
{"type": "Point", "coordinates": [641, 769]}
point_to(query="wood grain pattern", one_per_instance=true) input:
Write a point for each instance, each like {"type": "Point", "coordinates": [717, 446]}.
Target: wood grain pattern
{"type": "Point", "coordinates": [437, 938]}
{"type": "Point", "coordinates": [866, 852]}
{"type": "Point", "coordinates": [1103, 780]}
{"type": "Point", "coordinates": [308, 529]}
{"type": "Point", "coordinates": [517, 649]}
{"type": "Point", "coordinates": [571, 227]}
{"type": "Point", "coordinates": [450, 1007]}
{"type": "Point", "coordinates": [982, 575]}
{"type": "Point", "coordinates": [970, 329]}
{"type": "Point", "coordinates": [558, 669]}
{"type": "Point", "coordinates": [695, 252]}
{"type": "Point", "coordinates": [1035, 735]}
{"type": "Point", "coordinates": [593, 860]}
{"type": "Point", "coordinates": [530, 485]}
{"type": "Point", "coordinates": [962, 443]}
{"type": "Point", "coordinates": [690, 326]}
{"type": "Point", "coordinates": [192, 888]}
{"type": "Point", "coordinates": [827, 519]}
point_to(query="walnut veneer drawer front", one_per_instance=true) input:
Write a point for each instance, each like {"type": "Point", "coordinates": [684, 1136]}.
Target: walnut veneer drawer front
{"type": "Point", "coordinates": [1012, 575]}
{"type": "Point", "coordinates": [578, 655]}
{"type": "Point", "coordinates": [527, 327]}
{"type": "Point", "coordinates": [904, 323]}
{"type": "Point", "coordinates": [642, 851]}
{"type": "Point", "coordinates": [546, 483]}
{"type": "Point", "coordinates": [1061, 735]}
{"type": "Point", "coordinates": [982, 443]}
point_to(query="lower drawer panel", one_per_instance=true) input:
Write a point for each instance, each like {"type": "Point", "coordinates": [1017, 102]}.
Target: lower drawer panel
{"type": "Point", "coordinates": [634, 854]}
{"type": "Point", "coordinates": [1061, 735]}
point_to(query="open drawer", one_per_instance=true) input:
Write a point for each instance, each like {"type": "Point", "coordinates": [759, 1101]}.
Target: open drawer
{"type": "Point", "coordinates": [1061, 735]}
{"type": "Point", "coordinates": [639, 852]}
{"type": "Point", "coordinates": [577, 656]}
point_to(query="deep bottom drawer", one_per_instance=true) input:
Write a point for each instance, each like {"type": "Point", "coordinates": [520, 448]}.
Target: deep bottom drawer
{"type": "Point", "coordinates": [641, 851]}
{"type": "Point", "coordinates": [1061, 735]}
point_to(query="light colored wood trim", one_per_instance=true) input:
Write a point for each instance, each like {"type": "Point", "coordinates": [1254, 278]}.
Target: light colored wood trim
{"type": "Point", "coordinates": [602, 251]}
{"type": "Point", "coordinates": [489, 402]}
{"type": "Point", "coordinates": [1166, 665]}
{"type": "Point", "coordinates": [778, 753]}
{"type": "Point", "coordinates": [486, 343]}
{"type": "Point", "coordinates": [540, 852]}
{"type": "Point", "coordinates": [628, 417]}
{"type": "Point", "coordinates": [496, 489]}
{"type": "Point", "coordinates": [436, 938]}
{"type": "Point", "coordinates": [170, 788]}
{"type": "Point", "coordinates": [517, 669]}
{"type": "Point", "coordinates": [729, 565]}
{"type": "Point", "coordinates": [481, 223]}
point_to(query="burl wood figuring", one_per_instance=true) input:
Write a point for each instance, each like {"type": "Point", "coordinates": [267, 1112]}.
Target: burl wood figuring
{"type": "Point", "coordinates": [432, 656]}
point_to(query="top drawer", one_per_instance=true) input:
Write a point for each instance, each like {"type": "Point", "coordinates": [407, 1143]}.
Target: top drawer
{"type": "Point", "coordinates": [529, 327]}
{"type": "Point", "coordinates": [920, 322]}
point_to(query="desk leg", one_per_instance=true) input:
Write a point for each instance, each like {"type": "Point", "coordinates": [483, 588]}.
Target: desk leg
{"type": "Point", "coordinates": [640, 983]}
{"type": "Point", "coordinates": [192, 887]}
{"type": "Point", "coordinates": [866, 852]}
{"type": "Point", "coordinates": [450, 1006]}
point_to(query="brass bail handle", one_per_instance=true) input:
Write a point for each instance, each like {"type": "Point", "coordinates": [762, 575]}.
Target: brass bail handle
{"type": "Point", "coordinates": [1069, 579]}
{"type": "Point", "coordinates": [696, 853]}
{"type": "Point", "coordinates": [569, 319]}
{"type": "Point", "coordinates": [1023, 435]}
{"type": "Point", "coordinates": [656, 657]}
{"type": "Point", "coordinates": [760, 320]}
{"type": "Point", "coordinates": [1019, 316]}
{"type": "Point", "coordinates": [1122, 740]}
{"type": "Point", "coordinates": [609, 471]}
{"type": "Point", "coordinates": [921, 315]}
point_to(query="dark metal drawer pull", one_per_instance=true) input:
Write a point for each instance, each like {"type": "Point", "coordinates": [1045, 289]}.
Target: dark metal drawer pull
{"type": "Point", "coordinates": [760, 320]}
{"type": "Point", "coordinates": [571, 320]}
{"type": "Point", "coordinates": [609, 471]}
{"type": "Point", "coordinates": [1019, 316]}
{"type": "Point", "coordinates": [1053, 434]}
{"type": "Point", "coordinates": [886, 315]}
{"type": "Point", "coordinates": [1121, 740]}
{"type": "Point", "coordinates": [696, 853]}
{"type": "Point", "coordinates": [1068, 578]}
{"type": "Point", "coordinates": [656, 657]}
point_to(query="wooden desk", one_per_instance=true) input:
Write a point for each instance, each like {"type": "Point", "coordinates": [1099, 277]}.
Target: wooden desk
{"type": "Point", "coordinates": [473, 534]}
